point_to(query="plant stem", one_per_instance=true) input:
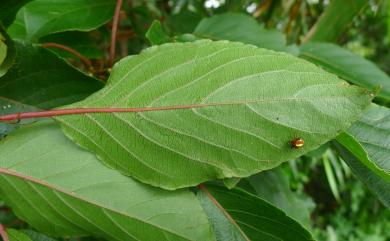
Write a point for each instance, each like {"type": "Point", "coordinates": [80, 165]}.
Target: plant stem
{"type": "Point", "coordinates": [114, 30]}
{"type": "Point", "coordinates": [76, 111]}
{"type": "Point", "coordinates": [3, 234]}
{"type": "Point", "coordinates": [83, 59]}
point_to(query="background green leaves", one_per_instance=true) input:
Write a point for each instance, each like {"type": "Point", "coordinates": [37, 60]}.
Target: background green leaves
{"type": "Point", "coordinates": [242, 28]}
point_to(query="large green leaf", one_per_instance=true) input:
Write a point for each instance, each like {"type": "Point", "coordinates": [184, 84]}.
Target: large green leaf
{"type": "Point", "coordinates": [238, 215]}
{"type": "Point", "coordinates": [241, 28]}
{"type": "Point", "coordinates": [337, 16]}
{"type": "Point", "coordinates": [347, 65]}
{"type": "Point", "coordinates": [43, 17]}
{"type": "Point", "coordinates": [231, 111]}
{"type": "Point", "coordinates": [366, 149]}
{"type": "Point", "coordinates": [63, 190]}
{"type": "Point", "coordinates": [39, 78]}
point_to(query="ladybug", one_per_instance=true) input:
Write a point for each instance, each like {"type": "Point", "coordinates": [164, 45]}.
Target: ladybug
{"type": "Point", "coordinates": [297, 143]}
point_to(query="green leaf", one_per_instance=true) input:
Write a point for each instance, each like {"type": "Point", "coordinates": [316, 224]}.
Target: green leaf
{"type": "Point", "coordinates": [238, 215]}
{"type": "Point", "coordinates": [16, 235]}
{"type": "Point", "coordinates": [241, 28]}
{"type": "Point", "coordinates": [337, 16]}
{"type": "Point", "coordinates": [231, 110]}
{"type": "Point", "coordinates": [331, 177]}
{"type": "Point", "coordinates": [366, 149]}
{"type": "Point", "coordinates": [8, 10]}
{"type": "Point", "coordinates": [156, 34]}
{"type": "Point", "coordinates": [62, 190]}
{"type": "Point", "coordinates": [273, 186]}
{"type": "Point", "coordinates": [3, 49]}
{"type": "Point", "coordinates": [43, 17]}
{"type": "Point", "coordinates": [41, 79]}
{"type": "Point", "coordinates": [347, 65]}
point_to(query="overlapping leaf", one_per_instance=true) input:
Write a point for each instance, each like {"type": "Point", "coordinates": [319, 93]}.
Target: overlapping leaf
{"type": "Point", "coordinates": [242, 28]}
{"type": "Point", "coordinates": [39, 78]}
{"type": "Point", "coordinates": [347, 65]}
{"type": "Point", "coordinates": [238, 215]}
{"type": "Point", "coordinates": [231, 111]}
{"type": "Point", "coordinates": [366, 149]}
{"type": "Point", "coordinates": [43, 17]}
{"type": "Point", "coordinates": [62, 190]}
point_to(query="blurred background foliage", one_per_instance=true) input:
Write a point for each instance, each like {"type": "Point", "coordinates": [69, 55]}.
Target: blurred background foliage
{"type": "Point", "coordinates": [340, 207]}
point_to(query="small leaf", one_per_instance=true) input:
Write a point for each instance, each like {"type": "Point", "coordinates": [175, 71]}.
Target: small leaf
{"type": "Point", "coordinates": [231, 110]}
{"type": "Point", "coordinates": [43, 17]}
{"type": "Point", "coordinates": [16, 235]}
{"type": "Point", "coordinates": [347, 65]}
{"type": "Point", "coordinates": [238, 215]}
{"type": "Point", "coordinates": [366, 149]}
{"type": "Point", "coordinates": [41, 79]}
{"type": "Point", "coordinates": [330, 177]}
{"type": "Point", "coordinates": [231, 182]}
{"type": "Point", "coordinates": [7, 52]}
{"type": "Point", "coordinates": [156, 34]}
{"type": "Point", "coordinates": [241, 28]}
{"type": "Point", "coordinates": [62, 190]}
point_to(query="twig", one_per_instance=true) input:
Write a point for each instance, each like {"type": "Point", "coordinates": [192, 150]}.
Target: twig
{"type": "Point", "coordinates": [219, 206]}
{"type": "Point", "coordinates": [114, 30]}
{"type": "Point", "coordinates": [3, 234]}
{"type": "Point", "coordinates": [263, 7]}
{"type": "Point", "coordinates": [83, 59]}
{"type": "Point", "coordinates": [77, 111]}
{"type": "Point", "coordinates": [293, 15]}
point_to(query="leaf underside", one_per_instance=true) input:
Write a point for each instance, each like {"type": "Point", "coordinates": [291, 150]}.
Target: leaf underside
{"type": "Point", "coordinates": [254, 102]}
